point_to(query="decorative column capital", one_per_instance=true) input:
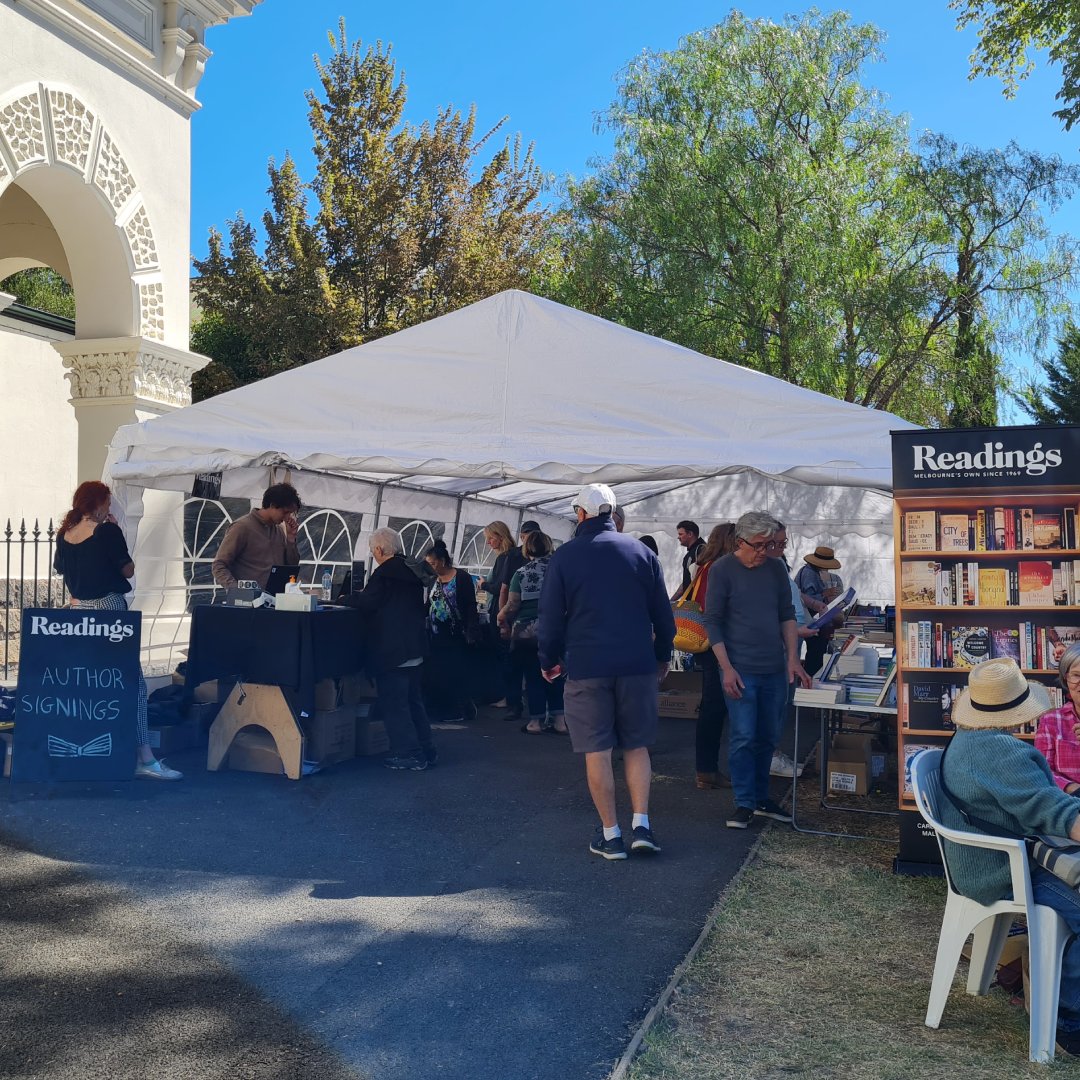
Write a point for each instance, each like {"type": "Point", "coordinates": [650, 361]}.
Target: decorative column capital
{"type": "Point", "coordinates": [136, 370]}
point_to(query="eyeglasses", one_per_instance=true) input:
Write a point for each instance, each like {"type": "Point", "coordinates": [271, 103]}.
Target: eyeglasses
{"type": "Point", "coordinates": [759, 548]}
{"type": "Point", "coordinates": [776, 545]}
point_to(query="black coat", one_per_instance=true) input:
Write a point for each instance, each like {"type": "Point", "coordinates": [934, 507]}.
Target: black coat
{"type": "Point", "coordinates": [393, 601]}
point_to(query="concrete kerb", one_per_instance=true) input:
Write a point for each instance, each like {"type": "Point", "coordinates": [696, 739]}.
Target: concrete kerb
{"type": "Point", "coordinates": [622, 1066]}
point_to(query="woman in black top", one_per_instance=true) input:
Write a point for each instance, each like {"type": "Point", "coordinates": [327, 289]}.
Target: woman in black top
{"type": "Point", "coordinates": [93, 558]}
{"type": "Point", "coordinates": [453, 627]}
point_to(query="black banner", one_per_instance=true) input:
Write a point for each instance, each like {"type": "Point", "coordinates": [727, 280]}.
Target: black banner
{"type": "Point", "coordinates": [77, 696]}
{"type": "Point", "coordinates": [1030, 457]}
{"type": "Point", "coordinates": [206, 485]}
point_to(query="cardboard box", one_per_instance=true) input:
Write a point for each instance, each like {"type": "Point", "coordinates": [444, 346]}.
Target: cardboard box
{"type": "Point", "coordinates": [356, 688]}
{"type": "Point", "coordinates": [255, 751]}
{"type": "Point", "coordinates": [330, 736]}
{"type": "Point", "coordinates": [327, 695]}
{"type": "Point", "coordinates": [295, 602]}
{"type": "Point", "coordinates": [207, 691]}
{"type": "Point", "coordinates": [172, 738]}
{"type": "Point", "coordinates": [202, 714]}
{"type": "Point", "coordinates": [371, 737]}
{"type": "Point", "coordinates": [850, 764]}
{"type": "Point", "coordinates": [680, 694]}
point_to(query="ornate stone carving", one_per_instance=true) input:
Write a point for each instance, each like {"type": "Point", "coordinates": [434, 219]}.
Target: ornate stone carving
{"type": "Point", "coordinates": [152, 311]}
{"type": "Point", "coordinates": [111, 173]}
{"type": "Point", "coordinates": [141, 238]}
{"type": "Point", "coordinates": [73, 127]}
{"type": "Point", "coordinates": [129, 368]}
{"type": "Point", "coordinates": [23, 129]}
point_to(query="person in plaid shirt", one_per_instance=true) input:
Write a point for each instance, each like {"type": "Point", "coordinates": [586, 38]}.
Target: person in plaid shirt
{"type": "Point", "coordinates": [1058, 737]}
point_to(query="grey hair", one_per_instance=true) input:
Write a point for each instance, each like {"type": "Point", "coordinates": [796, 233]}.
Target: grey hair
{"type": "Point", "coordinates": [756, 523]}
{"type": "Point", "coordinates": [387, 540]}
{"type": "Point", "coordinates": [1069, 657]}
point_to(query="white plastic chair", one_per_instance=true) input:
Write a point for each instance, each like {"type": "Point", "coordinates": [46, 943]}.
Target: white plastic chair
{"type": "Point", "coordinates": [1048, 932]}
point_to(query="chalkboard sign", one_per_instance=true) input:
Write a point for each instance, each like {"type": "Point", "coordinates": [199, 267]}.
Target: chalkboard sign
{"type": "Point", "coordinates": [77, 695]}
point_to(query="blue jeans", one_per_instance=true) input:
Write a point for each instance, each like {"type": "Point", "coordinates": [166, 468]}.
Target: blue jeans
{"type": "Point", "coordinates": [755, 722]}
{"type": "Point", "coordinates": [1052, 892]}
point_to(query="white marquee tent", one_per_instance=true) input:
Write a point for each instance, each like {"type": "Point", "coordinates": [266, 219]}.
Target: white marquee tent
{"type": "Point", "coordinates": [504, 409]}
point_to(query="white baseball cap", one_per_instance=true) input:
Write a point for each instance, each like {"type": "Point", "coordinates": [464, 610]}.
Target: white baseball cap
{"type": "Point", "coordinates": [595, 499]}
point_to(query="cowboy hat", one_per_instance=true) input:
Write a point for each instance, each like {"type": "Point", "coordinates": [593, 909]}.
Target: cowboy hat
{"type": "Point", "coordinates": [823, 558]}
{"type": "Point", "coordinates": [998, 696]}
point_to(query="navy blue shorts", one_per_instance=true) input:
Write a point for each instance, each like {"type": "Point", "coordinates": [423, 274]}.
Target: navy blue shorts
{"type": "Point", "coordinates": [620, 710]}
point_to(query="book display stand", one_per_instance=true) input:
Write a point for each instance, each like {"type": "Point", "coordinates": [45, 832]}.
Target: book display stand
{"type": "Point", "coordinates": [987, 565]}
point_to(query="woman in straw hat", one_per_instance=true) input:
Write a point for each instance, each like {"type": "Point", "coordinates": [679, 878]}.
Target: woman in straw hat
{"type": "Point", "coordinates": [1001, 781]}
{"type": "Point", "coordinates": [819, 586]}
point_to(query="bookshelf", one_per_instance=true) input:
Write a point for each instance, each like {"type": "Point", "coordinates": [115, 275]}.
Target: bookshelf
{"type": "Point", "coordinates": [987, 564]}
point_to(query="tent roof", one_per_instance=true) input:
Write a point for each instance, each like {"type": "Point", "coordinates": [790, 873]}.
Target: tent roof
{"type": "Point", "coordinates": [510, 396]}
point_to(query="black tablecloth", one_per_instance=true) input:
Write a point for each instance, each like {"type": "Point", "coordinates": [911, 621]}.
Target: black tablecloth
{"type": "Point", "coordinates": [291, 649]}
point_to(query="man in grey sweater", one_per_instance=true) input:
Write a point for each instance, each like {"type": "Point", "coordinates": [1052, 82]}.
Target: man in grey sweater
{"type": "Point", "coordinates": [750, 619]}
{"type": "Point", "coordinates": [1001, 781]}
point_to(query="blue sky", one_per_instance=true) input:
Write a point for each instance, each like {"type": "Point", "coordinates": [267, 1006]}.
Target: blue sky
{"type": "Point", "coordinates": [551, 68]}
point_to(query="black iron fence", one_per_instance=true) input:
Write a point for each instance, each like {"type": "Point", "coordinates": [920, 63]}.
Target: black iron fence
{"type": "Point", "coordinates": [29, 581]}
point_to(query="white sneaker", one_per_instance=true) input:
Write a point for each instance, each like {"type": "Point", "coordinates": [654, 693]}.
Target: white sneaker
{"type": "Point", "coordinates": [156, 770]}
{"type": "Point", "coordinates": [782, 765]}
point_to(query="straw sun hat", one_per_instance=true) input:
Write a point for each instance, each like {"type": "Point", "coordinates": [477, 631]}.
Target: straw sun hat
{"type": "Point", "coordinates": [998, 696]}
{"type": "Point", "coordinates": [824, 558]}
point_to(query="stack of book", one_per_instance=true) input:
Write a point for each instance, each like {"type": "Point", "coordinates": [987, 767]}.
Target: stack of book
{"type": "Point", "coordinates": [820, 696]}
{"type": "Point", "coordinates": [864, 689]}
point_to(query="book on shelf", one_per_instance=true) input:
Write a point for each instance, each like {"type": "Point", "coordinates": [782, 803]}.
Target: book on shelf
{"type": "Point", "coordinates": [928, 705]}
{"type": "Point", "coordinates": [1035, 583]}
{"type": "Point", "coordinates": [1059, 638]}
{"type": "Point", "coordinates": [1005, 643]}
{"type": "Point", "coordinates": [910, 750]}
{"type": "Point", "coordinates": [890, 681]}
{"type": "Point", "coordinates": [920, 582]}
{"type": "Point", "coordinates": [970, 645]}
{"type": "Point", "coordinates": [1027, 530]}
{"type": "Point", "coordinates": [1046, 531]}
{"type": "Point", "coordinates": [993, 587]}
{"type": "Point", "coordinates": [955, 532]}
{"type": "Point", "coordinates": [999, 529]}
{"type": "Point", "coordinates": [920, 530]}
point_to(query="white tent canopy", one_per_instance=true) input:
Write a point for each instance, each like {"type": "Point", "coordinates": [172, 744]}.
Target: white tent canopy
{"type": "Point", "coordinates": [517, 401]}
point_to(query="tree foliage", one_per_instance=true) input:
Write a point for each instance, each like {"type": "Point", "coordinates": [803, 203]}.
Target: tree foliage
{"type": "Point", "coordinates": [410, 222]}
{"type": "Point", "coordinates": [1008, 28]}
{"type": "Point", "coordinates": [1058, 400]}
{"type": "Point", "coordinates": [43, 289]}
{"type": "Point", "coordinates": [762, 206]}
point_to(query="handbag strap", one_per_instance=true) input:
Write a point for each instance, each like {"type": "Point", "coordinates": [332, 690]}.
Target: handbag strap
{"type": "Point", "coordinates": [691, 591]}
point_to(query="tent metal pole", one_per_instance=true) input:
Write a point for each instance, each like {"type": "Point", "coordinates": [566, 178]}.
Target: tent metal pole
{"type": "Point", "coordinates": [457, 526]}
{"type": "Point", "coordinates": [378, 511]}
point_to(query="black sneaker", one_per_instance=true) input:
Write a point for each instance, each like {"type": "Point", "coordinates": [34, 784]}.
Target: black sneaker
{"type": "Point", "coordinates": [741, 818]}
{"type": "Point", "coordinates": [773, 810]}
{"type": "Point", "coordinates": [608, 849]}
{"type": "Point", "coordinates": [644, 840]}
{"type": "Point", "coordinates": [431, 756]}
{"type": "Point", "coordinates": [1069, 1041]}
{"type": "Point", "coordinates": [414, 762]}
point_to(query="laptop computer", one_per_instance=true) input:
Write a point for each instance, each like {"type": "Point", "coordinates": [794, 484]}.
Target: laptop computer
{"type": "Point", "coordinates": [279, 578]}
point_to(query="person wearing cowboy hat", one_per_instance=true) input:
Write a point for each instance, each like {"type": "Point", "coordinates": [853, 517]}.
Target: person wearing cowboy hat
{"type": "Point", "coordinates": [991, 777]}
{"type": "Point", "coordinates": [818, 585]}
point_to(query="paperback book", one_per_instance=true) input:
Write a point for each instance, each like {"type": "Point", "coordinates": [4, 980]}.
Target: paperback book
{"type": "Point", "coordinates": [970, 645]}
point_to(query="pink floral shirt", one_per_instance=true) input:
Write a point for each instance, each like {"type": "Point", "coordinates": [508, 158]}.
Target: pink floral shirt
{"type": "Point", "coordinates": [1057, 743]}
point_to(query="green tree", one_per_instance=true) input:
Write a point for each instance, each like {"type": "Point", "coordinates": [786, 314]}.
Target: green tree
{"type": "Point", "coordinates": [43, 289]}
{"type": "Point", "coordinates": [762, 206]}
{"type": "Point", "coordinates": [1008, 28]}
{"type": "Point", "coordinates": [410, 223]}
{"type": "Point", "coordinates": [1058, 400]}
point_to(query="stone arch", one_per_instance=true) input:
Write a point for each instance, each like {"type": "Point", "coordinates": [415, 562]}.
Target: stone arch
{"type": "Point", "coordinates": [56, 149]}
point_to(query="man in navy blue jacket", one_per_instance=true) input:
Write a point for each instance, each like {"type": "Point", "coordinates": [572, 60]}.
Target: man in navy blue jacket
{"type": "Point", "coordinates": [606, 623]}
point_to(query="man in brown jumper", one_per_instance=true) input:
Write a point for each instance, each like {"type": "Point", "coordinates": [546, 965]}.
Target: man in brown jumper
{"type": "Point", "coordinates": [263, 539]}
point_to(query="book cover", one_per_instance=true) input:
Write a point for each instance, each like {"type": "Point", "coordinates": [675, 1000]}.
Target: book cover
{"type": "Point", "coordinates": [1027, 529]}
{"type": "Point", "coordinates": [918, 582]}
{"type": "Point", "coordinates": [971, 645]}
{"type": "Point", "coordinates": [980, 530]}
{"type": "Point", "coordinates": [999, 528]}
{"type": "Point", "coordinates": [1046, 532]}
{"type": "Point", "coordinates": [1005, 644]}
{"type": "Point", "coordinates": [910, 750]}
{"type": "Point", "coordinates": [1036, 584]}
{"type": "Point", "coordinates": [920, 530]}
{"type": "Point", "coordinates": [1058, 639]}
{"type": "Point", "coordinates": [954, 532]}
{"type": "Point", "coordinates": [993, 587]}
{"type": "Point", "coordinates": [928, 705]}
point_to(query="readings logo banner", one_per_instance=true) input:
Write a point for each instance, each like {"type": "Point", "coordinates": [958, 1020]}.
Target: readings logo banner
{"type": "Point", "coordinates": [88, 626]}
{"type": "Point", "coordinates": [984, 457]}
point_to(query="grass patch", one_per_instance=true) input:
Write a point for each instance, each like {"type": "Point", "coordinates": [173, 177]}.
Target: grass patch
{"type": "Point", "coordinates": [819, 966]}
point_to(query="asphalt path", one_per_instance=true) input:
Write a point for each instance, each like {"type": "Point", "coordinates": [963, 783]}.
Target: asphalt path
{"type": "Point", "coordinates": [358, 923]}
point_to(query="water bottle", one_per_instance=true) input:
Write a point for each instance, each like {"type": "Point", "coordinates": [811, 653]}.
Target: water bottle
{"type": "Point", "coordinates": [327, 584]}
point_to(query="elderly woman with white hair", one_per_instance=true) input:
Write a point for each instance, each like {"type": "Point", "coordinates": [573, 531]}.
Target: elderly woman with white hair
{"type": "Point", "coordinates": [393, 601]}
{"type": "Point", "coordinates": [1056, 738]}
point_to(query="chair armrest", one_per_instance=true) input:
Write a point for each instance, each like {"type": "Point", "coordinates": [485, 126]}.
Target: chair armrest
{"type": "Point", "coordinates": [1016, 850]}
